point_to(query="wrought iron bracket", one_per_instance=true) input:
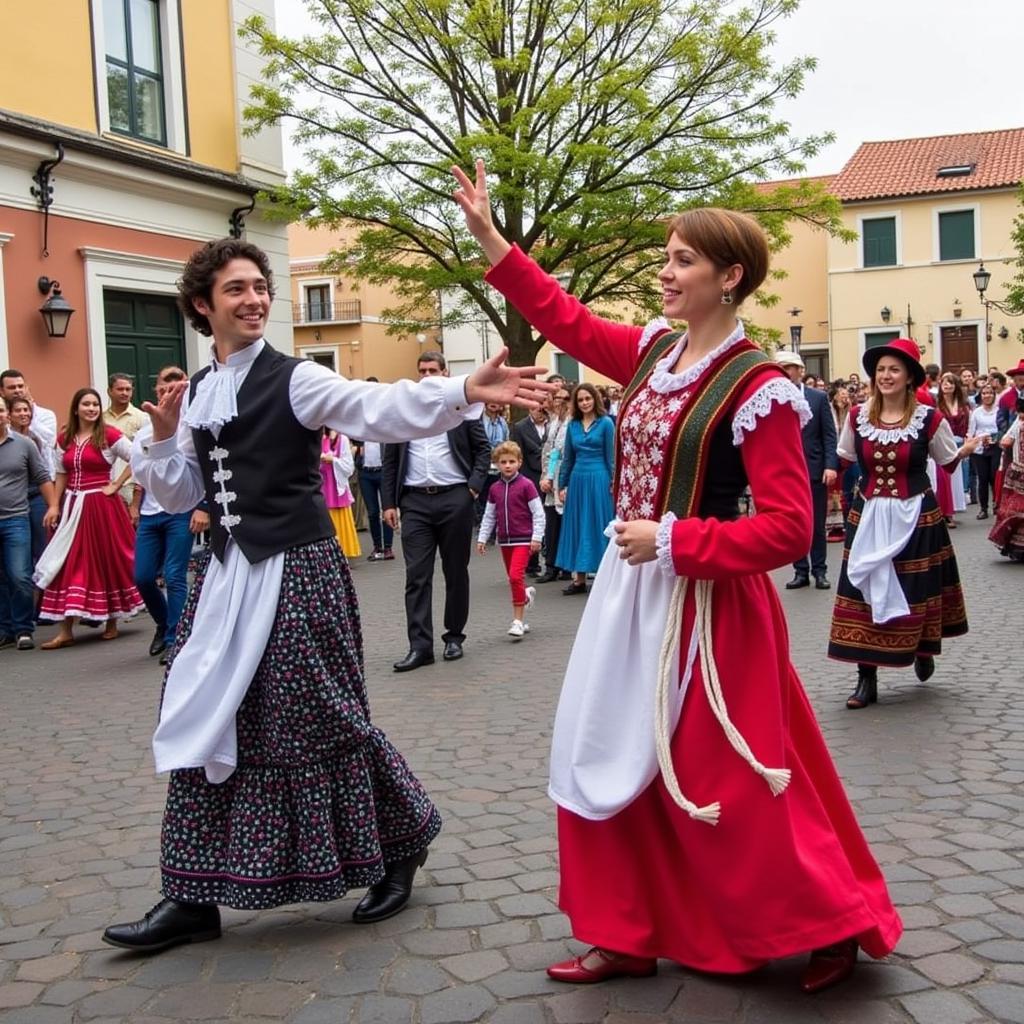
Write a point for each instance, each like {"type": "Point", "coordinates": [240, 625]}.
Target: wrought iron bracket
{"type": "Point", "coordinates": [236, 222]}
{"type": "Point", "coordinates": [42, 192]}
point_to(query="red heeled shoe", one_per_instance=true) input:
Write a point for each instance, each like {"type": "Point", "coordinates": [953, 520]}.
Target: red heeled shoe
{"type": "Point", "coordinates": [829, 966]}
{"type": "Point", "coordinates": [608, 965]}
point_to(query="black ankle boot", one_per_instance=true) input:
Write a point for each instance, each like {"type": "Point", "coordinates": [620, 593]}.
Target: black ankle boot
{"type": "Point", "coordinates": [867, 688]}
{"type": "Point", "coordinates": [924, 667]}
{"type": "Point", "coordinates": [391, 893]}
{"type": "Point", "coordinates": [169, 923]}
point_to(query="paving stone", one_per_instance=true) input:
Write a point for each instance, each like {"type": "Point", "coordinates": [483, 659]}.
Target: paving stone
{"type": "Point", "coordinates": [463, 915]}
{"type": "Point", "coordinates": [415, 976]}
{"type": "Point", "coordinates": [197, 1001]}
{"type": "Point", "coordinates": [269, 1001]}
{"type": "Point", "coordinates": [18, 993]}
{"type": "Point", "coordinates": [64, 993]}
{"type": "Point", "coordinates": [517, 984]}
{"type": "Point", "coordinates": [649, 995]}
{"type": "Point", "coordinates": [517, 1013]}
{"type": "Point", "coordinates": [250, 966]}
{"type": "Point", "coordinates": [115, 1002]}
{"type": "Point", "coordinates": [378, 1009]}
{"type": "Point", "coordinates": [949, 969]}
{"type": "Point", "coordinates": [508, 933]}
{"type": "Point", "coordinates": [940, 1008]}
{"type": "Point", "coordinates": [38, 1015]}
{"type": "Point", "coordinates": [48, 968]}
{"type": "Point", "coordinates": [348, 983]}
{"type": "Point", "coordinates": [324, 1011]}
{"type": "Point", "coordinates": [581, 1005]}
{"type": "Point", "coordinates": [440, 942]}
{"type": "Point", "coordinates": [526, 905]}
{"type": "Point", "coordinates": [965, 906]}
{"type": "Point", "coordinates": [475, 966]}
{"type": "Point", "coordinates": [1004, 1002]}
{"type": "Point", "coordinates": [466, 1003]}
{"type": "Point", "coordinates": [972, 931]}
{"type": "Point", "coordinates": [1004, 950]}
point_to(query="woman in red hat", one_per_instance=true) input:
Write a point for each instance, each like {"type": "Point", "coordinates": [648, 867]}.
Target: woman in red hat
{"type": "Point", "coordinates": [1005, 414]}
{"type": "Point", "coordinates": [1008, 532]}
{"type": "Point", "coordinates": [899, 590]}
{"type": "Point", "coordinates": [660, 703]}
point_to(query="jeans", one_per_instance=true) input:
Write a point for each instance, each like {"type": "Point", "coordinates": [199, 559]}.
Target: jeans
{"type": "Point", "coordinates": [369, 486]}
{"type": "Point", "coordinates": [163, 542]}
{"type": "Point", "coordinates": [17, 597]}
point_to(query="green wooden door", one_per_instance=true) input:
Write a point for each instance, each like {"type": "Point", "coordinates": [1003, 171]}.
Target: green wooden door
{"type": "Point", "coordinates": [144, 333]}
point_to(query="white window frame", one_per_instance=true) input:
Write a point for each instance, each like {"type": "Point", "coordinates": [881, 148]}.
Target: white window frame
{"type": "Point", "coordinates": [974, 208]}
{"type": "Point", "coordinates": [131, 272]}
{"type": "Point", "coordinates": [863, 332]}
{"type": "Point", "coordinates": [880, 215]}
{"type": "Point", "coordinates": [5, 355]}
{"type": "Point", "coordinates": [314, 282]}
{"type": "Point", "coordinates": [170, 58]}
{"type": "Point", "coordinates": [308, 351]}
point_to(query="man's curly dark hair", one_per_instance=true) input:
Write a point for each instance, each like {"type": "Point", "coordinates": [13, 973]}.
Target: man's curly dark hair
{"type": "Point", "coordinates": [197, 280]}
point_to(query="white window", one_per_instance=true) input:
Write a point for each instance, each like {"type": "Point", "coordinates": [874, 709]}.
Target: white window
{"type": "Point", "coordinates": [137, 48]}
{"type": "Point", "coordinates": [324, 356]}
{"type": "Point", "coordinates": [881, 241]}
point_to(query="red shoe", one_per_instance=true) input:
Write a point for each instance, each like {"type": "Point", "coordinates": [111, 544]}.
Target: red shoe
{"type": "Point", "coordinates": [604, 965]}
{"type": "Point", "coordinates": [829, 966]}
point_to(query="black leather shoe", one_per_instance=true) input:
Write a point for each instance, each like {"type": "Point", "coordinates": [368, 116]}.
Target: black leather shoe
{"type": "Point", "coordinates": [983, 514]}
{"type": "Point", "coordinates": [452, 650]}
{"type": "Point", "coordinates": [821, 582]}
{"type": "Point", "coordinates": [548, 577]}
{"type": "Point", "coordinates": [391, 893]}
{"type": "Point", "coordinates": [574, 588]}
{"type": "Point", "coordinates": [168, 924]}
{"type": "Point", "coordinates": [798, 581]}
{"type": "Point", "coordinates": [924, 667]}
{"type": "Point", "coordinates": [414, 659]}
{"type": "Point", "coordinates": [158, 644]}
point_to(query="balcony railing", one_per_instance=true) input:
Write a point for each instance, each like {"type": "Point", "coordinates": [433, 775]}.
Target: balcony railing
{"type": "Point", "coordinates": [327, 312]}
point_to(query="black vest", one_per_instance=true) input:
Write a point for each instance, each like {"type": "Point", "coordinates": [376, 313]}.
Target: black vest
{"type": "Point", "coordinates": [262, 474]}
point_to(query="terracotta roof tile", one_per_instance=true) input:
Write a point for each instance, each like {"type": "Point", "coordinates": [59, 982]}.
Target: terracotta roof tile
{"type": "Point", "coordinates": [907, 167]}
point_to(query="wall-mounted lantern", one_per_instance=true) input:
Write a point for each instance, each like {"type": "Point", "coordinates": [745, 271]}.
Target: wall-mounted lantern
{"type": "Point", "coordinates": [55, 310]}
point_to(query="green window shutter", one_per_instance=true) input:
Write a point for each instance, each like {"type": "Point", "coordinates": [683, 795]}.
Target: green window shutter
{"type": "Point", "coordinates": [879, 241]}
{"type": "Point", "coordinates": [872, 339]}
{"type": "Point", "coordinates": [956, 235]}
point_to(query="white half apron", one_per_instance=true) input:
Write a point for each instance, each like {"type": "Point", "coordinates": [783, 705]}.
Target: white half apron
{"type": "Point", "coordinates": [886, 525]}
{"type": "Point", "coordinates": [603, 753]}
{"type": "Point", "coordinates": [55, 554]}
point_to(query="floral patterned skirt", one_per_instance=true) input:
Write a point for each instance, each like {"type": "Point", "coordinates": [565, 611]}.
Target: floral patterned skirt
{"type": "Point", "coordinates": [320, 802]}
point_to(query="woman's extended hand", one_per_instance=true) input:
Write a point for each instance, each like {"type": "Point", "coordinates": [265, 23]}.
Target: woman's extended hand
{"type": "Point", "coordinates": [637, 540]}
{"type": "Point", "coordinates": [496, 381]}
{"type": "Point", "coordinates": [476, 206]}
{"type": "Point", "coordinates": [110, 489]}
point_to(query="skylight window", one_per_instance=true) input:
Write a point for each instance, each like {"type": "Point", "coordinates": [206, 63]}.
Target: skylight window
{"type": "Point", "coordinates": [955, 171]}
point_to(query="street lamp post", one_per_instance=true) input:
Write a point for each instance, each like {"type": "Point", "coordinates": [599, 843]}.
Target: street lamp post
{"type": "Point", "coordinates": [982, 277]}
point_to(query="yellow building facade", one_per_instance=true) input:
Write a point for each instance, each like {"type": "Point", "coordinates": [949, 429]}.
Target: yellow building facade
{"type": "Point", "coordinates": [122, 151]}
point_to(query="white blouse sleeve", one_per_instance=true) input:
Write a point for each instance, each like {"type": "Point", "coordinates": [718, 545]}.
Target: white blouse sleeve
{"type": "Point", "coordinates": [386, 412]}
{"type": "Point", "coordinates": [168, 469]}
{"type": "Point", "coordinates": [121, 449]}
{"type": "Point", "coordinates": [344, 465]}
{"type": "Point", "coordinates": [943, 447]}
{"type": "Point", "coordinates": [846, 448]}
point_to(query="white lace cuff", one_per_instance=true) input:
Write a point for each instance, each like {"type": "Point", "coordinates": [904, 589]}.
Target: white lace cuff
{"type": "Point", "coordinates": [663, 542]}
{"type": "Point", "coordinates": [777, 391]}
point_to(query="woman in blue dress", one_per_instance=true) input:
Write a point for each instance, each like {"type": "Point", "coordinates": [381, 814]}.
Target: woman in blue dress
{"type": "Point", "coordinates": [586, 479]}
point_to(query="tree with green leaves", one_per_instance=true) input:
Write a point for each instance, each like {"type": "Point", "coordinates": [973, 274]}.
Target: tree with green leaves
{"type": "Point", "coordinates": [1015, 290]}
{"type": "Point", "coordinates": [599, 119]}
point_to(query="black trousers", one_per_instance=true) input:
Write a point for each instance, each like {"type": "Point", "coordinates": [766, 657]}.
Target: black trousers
{"type": "Point", "coordinates": [433, 523]}
{"type": "Point", "coordinates": [552, 531]}
{"type": "Point", "coordinates": [819, 543]}
{"type": "Point", "coordinates": [985, 463]}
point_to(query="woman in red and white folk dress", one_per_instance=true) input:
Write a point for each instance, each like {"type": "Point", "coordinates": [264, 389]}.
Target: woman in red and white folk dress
{"type": "Point", "coordinates": [86, 570]}
{"type": "Point", "coordinates": [675, 840]}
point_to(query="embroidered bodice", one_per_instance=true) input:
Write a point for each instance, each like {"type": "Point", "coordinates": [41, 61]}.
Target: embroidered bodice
{"type": "Point", "coordinates": [87, 467]}
{"type": "Point", "coordinates": [894, 460]}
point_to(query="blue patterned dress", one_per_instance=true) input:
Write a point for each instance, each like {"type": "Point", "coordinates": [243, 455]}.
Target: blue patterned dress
{"type": "Point", "coordinates": [586, 473]}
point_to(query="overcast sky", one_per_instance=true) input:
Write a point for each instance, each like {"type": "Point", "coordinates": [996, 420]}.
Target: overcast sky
{"type": "Point", "coordinates": [887, 69]}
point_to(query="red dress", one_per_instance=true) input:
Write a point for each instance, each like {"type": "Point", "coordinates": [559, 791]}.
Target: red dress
{"type": "Point", "coordinates": [96, 580]}
{"type": "Point", "coordinates": [777, 875]}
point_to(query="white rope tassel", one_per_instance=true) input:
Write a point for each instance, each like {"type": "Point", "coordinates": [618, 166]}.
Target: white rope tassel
{"type": "Point", "coordinates": [777, 778]}
{"type": "Point", "coordinates": [662, 737]}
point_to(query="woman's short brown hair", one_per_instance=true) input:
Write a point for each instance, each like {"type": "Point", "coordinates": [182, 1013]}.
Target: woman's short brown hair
{"type": "Point", "coordinates": [726, 238]}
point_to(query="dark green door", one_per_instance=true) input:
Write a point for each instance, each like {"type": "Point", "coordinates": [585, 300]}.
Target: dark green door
{"type": "Point", "coordinates": [144, 333]}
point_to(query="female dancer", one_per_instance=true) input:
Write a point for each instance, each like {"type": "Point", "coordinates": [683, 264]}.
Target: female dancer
{"type": "Point", "coordinates": [841, 492]}
{"type": "Point", "coordinates": [86, 570]}
{"type": "Point", "coordinates": [587, 460]}
{"type": "Point", "coordinates": [1008, 531]}
{"type": "Point", "coordinates": [336, 466]}
{"type": "Point", "coordinates": [643, 872]}
{"type": "Point", "coordinates": [899, 590]}
{"type": "Point", "coordinates": [949, 487]}
{"type": "Point", "coordinates": [986, 459]}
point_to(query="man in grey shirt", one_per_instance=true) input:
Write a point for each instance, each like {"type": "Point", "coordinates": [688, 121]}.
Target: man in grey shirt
{"type": "Point", "coordinates": [20, 466]}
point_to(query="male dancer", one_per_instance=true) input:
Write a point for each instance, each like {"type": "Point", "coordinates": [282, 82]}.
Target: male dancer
{"type": "Point", "coordinates": [281, 789]}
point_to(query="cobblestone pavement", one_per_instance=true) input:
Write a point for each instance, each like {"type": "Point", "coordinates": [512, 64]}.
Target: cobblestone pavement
{"type": "Point", "coordinates": [935, 772]}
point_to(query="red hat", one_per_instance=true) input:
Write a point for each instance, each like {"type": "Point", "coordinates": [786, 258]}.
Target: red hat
{"type": "Point", "coordinates": [903, 349]}
{"type": "Point", "coordinates": [1019, 368]}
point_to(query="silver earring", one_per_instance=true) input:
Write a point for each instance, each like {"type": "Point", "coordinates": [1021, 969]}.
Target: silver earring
{"type": "Point", "coordinates": [726, 296]}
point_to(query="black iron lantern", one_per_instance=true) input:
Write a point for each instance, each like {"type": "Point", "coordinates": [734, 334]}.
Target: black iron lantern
{"type": "Point", "coordinates": [55, 310]}
{"type": "Point", "coordinates": [981, 279]}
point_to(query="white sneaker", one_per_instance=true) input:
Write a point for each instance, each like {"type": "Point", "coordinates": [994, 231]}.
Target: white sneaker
{"type": "Point", "coordinates": [517, 629]}
{"type": "Point", "coordinates": [526, 627]}
{"type": "Point", "coordinates": [531, 593]}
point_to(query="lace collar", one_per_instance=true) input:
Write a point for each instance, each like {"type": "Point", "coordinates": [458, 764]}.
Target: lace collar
{"type": "Point", "coordinates": [664, 381]}
{"type": "Point", "coordinates": [891, 435]}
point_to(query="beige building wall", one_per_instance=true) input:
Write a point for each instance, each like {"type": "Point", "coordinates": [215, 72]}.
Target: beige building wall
{"type": "Point", "coordinates": [941, 296]}
{"type": "Point", "coordinates": [354, 335]}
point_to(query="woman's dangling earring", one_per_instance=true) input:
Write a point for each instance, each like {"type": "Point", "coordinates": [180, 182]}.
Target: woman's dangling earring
{"type": "Point", "coordinates": [726, 296]}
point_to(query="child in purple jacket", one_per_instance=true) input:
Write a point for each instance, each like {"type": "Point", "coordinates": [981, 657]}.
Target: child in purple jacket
{"type": "Point", "coordinates": [514, 509]}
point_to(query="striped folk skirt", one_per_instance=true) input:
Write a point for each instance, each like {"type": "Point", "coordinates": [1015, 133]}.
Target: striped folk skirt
{"type": "Point", "coordinates": [320, 802]}
{"type": "Point", "coordinates": [930, 579]}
